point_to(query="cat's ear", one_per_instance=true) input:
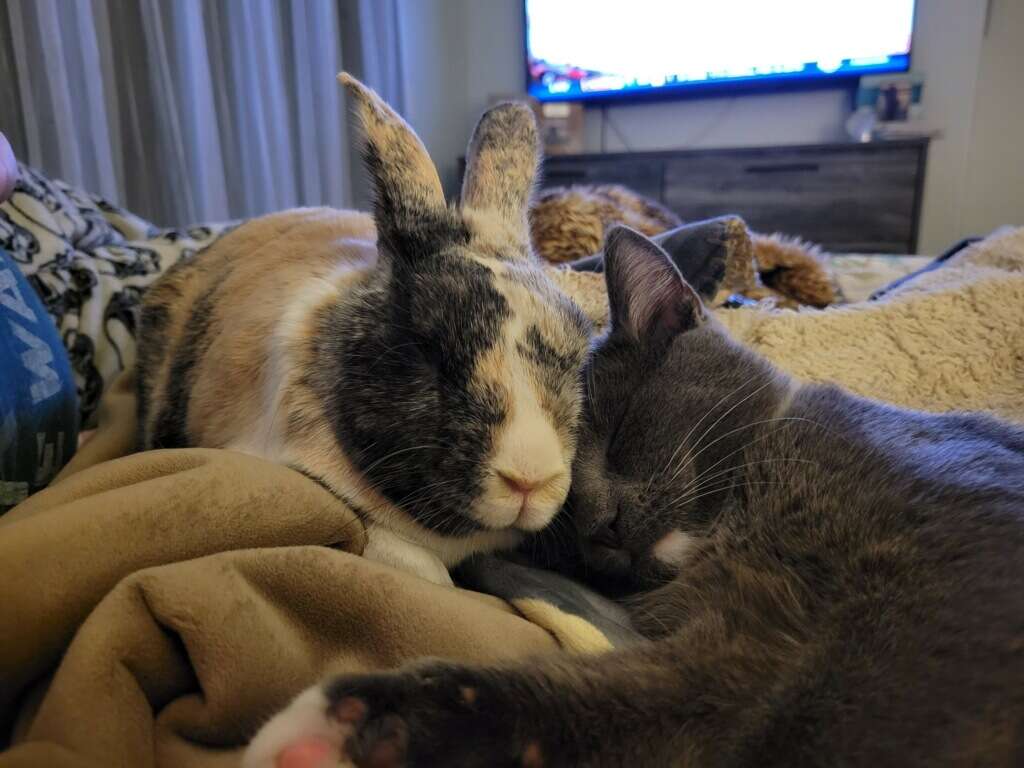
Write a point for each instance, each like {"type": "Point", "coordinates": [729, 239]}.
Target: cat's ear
{"type": "Point", "coordinates": [407, 189]}
{"type": "Point", "coordinates": [649, 300]}
{"type": "Point", "coordinates": [501, 163]}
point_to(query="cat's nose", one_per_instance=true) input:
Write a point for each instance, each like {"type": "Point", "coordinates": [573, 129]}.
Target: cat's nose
{"type": "Point", "coordinates": [608, 535]}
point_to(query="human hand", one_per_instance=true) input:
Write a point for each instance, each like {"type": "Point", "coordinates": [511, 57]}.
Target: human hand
{"type": "Point", "coordinates": [8, 169]}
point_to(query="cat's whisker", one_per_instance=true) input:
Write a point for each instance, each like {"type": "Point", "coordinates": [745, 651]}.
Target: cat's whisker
{"type": "Point", "coordinates": [683, 442]}
{"type": "Point", "coordinates": [733, 407]}
{"type": "Point", "coordinates": [724, 487]}
{"type": "Point", "coordinates": [691, 457]}
{"type": "Point", "coordinates": [746, 445]}
{"type": "Point", "coordinates": [704, 480]}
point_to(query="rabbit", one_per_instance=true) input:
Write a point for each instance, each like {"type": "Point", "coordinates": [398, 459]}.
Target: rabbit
{"type": "Point", "coordinates": [417, 363]}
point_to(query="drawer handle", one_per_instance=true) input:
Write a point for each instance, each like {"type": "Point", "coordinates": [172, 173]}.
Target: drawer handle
{"type": "Point", "coordinates": [562, 175]}
{"type": "Point", "coordinates": [783, 168]}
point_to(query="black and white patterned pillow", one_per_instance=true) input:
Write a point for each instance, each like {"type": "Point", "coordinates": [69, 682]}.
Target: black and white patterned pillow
{"type": "Point", "coordinates": [90, 263]}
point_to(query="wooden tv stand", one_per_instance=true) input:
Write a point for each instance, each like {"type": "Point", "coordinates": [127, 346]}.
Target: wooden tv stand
{"type": "Point", "coordinates": [852, 198]}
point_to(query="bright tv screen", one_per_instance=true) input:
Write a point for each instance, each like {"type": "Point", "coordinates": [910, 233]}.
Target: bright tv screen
{"type": "Point", "coordinates": [596, 49]}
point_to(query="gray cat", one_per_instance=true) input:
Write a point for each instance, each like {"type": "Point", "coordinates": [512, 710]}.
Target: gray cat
{"type": "Point", "coordinates": [821, 579]}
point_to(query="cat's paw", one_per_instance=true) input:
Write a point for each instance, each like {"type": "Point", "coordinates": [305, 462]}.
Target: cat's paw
{"type": "Point", "coordinates": [305, 734]}
{"type": "Point", "coordinates": [434, 714]}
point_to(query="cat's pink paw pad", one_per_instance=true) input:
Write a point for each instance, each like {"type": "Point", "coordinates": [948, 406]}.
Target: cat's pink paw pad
{"type": "Point", "coordinates": [303, 735]}
{"type": "Point", "coordinates": [313, 752]}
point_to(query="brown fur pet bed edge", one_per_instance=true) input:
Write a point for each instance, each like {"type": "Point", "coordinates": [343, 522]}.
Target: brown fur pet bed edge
{"type": "Point", "coordinates": [569, 223]}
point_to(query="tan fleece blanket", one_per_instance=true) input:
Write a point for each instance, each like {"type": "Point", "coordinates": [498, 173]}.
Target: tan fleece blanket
{"type": "Point", "coordinates": [156, 608]}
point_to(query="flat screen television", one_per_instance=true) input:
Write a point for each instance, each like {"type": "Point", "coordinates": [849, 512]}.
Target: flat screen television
{"type": "Point", "coordinates": [603, 49]}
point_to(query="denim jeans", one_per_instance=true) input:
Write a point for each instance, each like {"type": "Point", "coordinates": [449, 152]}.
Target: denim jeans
{"type": "Point", "coordinates": [38, 401]}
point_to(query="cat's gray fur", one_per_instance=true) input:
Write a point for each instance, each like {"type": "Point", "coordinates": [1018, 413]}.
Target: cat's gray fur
{"type": "Point", "coordinates": [842, 583]}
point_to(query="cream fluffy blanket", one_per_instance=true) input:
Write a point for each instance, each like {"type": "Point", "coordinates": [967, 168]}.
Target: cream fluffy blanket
{"type": "Point", "coordinates": [952, 339]}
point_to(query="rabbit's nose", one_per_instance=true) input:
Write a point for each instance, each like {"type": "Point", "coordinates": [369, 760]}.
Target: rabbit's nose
{"type": "Point", "coordinates": [529, 456]}
{"type": "Point", "coordinates": [522, 483]}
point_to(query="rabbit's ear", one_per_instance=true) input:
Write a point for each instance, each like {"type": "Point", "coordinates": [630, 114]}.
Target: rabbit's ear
{"type": "Point", "coordinates": [501, 163]}
{"type": "Point", "coordinates": [407, 189]}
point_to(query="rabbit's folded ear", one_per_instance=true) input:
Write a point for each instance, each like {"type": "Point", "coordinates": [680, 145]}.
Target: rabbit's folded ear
{"type": "Point", "coordinates": [501, 163]}
{"type": "Point", "coordinates": [407, 189]}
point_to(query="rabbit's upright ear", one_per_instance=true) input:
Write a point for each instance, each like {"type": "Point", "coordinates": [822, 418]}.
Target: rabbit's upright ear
{"type": "Point", "coordinates": [501, 163]}
{"type": "Point", "coordinates": [407, 189]}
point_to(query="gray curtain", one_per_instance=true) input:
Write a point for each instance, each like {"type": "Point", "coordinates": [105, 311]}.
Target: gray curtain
{"type": "Point", "coordinates": [193, 110]}
{"type": "Point", "coordinates": [379, 37]}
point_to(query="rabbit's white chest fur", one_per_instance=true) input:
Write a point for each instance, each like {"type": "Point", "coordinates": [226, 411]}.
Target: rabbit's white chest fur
{"type": "Point", "coordinates": [385, 547]}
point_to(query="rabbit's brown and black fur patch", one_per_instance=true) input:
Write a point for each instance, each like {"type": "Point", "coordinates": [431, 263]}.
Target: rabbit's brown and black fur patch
{"type": "Point", "coordinates": [456, 316]}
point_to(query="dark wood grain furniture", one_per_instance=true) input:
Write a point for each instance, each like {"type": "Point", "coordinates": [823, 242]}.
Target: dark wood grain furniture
{"type": "Point", "coordinates": [852, 198]}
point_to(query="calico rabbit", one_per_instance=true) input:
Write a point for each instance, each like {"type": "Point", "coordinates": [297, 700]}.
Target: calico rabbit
{"type": "Point", "coordinates": [822, 580]}
{"type": "Point", "coordinates": [418, 364]}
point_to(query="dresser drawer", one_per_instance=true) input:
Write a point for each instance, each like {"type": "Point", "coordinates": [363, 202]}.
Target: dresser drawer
{"type": "Point", "coordinates": [862, 198]}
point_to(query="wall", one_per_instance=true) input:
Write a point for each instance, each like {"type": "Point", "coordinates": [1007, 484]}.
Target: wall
{"type": "Point", "coordinates": [434, 63]}
{"type": "Point", "coordinates": [994, 191]}
{"type": "Point", "coordinates": [947, 49]}
{"type": "Point", "coordinates": [481, 42]}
